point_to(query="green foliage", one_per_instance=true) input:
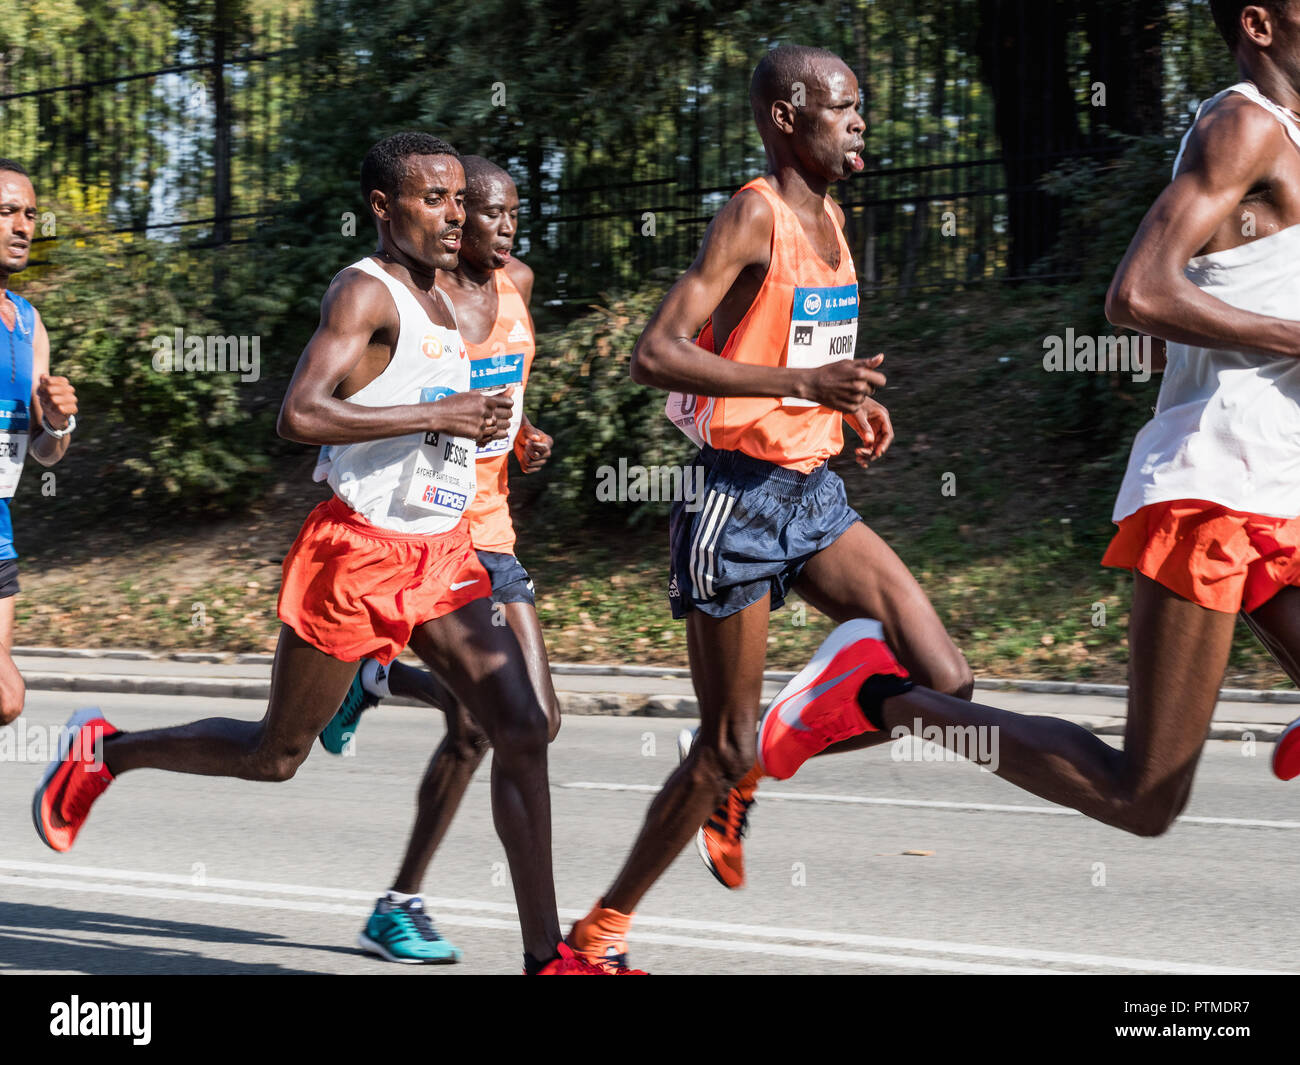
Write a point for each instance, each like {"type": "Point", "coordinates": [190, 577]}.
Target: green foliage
{"type": "Point", "coordinates": [581, 394]}
{"type": "Point", "coordinates": [1104, 202]}
{"type": "Point", "coordinates": [183, 441]}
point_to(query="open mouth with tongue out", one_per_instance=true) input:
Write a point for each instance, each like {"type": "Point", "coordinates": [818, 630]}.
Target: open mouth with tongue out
{"type": "Point", "coordinates": [854, 159]}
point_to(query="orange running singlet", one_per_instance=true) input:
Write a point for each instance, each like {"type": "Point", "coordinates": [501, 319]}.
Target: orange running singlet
{"type": "Point", "coordinates": [805, 314]}
{"type": "Point", "coordinates": [503, 359]}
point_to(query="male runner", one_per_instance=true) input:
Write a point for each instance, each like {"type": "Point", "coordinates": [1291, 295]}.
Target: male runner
{"type": "Point", "coordinates": [774, 289]}
{"type": "Point", "coordinates": [1209, 509]}
{"type": "Point", "coordinates": [28, 397]}
{"type": "Point", "coordinates": [490, 291]}
{"type": "Point", "coordinates": [387, 561]}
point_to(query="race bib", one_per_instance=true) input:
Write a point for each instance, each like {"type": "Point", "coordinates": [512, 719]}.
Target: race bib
{"type": "Point", "coordinates": [442, 477]}
{"type": "Point", "coordinates": [323, 464]}
{"type": "Point", "coordinates": [823, 329]}
{"type": "Point", "coordinates": [13, 444]}
{"type": "Point", "coordinates": [492, 375]}
{"type": "Point", "coordinates": [681, 412]}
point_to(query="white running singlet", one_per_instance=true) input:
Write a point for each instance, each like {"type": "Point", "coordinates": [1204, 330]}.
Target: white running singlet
{"type": "Point", "coordinates": [1227, 424]}
{"type": "Point", "coordinates": [421, 483]}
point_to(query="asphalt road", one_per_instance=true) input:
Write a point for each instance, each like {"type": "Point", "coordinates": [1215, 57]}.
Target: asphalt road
{"type": "Point", "coordinates": [861, 864]}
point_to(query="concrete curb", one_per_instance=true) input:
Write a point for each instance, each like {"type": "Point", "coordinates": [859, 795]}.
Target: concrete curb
{"type": "Point", "coordinates": [588, 669]}
{"type": "Point", "coordinates": [579, 704]}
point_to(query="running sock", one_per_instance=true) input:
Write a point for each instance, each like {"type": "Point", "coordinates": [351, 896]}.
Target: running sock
{"type": "Point", "coordinates": [397, 898]}
{"type": "Point", "coordinates": [374, 678]}
{"type": "Point", "coordinates": [875, 691]}
{"type": "Point", "coordinates": [600, 929]}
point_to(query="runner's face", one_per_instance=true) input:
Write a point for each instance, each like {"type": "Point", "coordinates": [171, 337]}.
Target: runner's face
{"type": "Point", "coordinates": [17, 220]}
{"type": "Point", "coordinates": [491, 220]}
{"type": "Point", "coordinates": [425, 219]}
{"type": "Point", "coordinates": [828, 128]}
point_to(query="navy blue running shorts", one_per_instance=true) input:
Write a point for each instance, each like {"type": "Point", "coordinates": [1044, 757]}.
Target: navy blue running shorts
{"type": "Point", "coordinates": [510, 581]}
{"type": "Point", "coordinates": [752, 531]}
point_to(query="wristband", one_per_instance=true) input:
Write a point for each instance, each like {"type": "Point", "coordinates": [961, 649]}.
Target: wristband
{"type": "Point", "coordinates": [59, 434]}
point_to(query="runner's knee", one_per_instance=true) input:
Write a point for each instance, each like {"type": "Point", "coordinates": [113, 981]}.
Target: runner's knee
{"type": "Point", "coordinates": [276, 765]}
{"type": "Point", "coordinates": [521, 730]}
{"type": "Point", "coordinates": [952, 676]}
{"type": "Point", "coordinates": [1151, 813]}
{"type": "Point", "coordinates": [552, 708]}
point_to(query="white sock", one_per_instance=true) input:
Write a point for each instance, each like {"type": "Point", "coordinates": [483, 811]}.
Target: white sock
{"type": "Point", "coordinates": [397, 898]}
{"type": "Point", "coordinates": [374, 678]}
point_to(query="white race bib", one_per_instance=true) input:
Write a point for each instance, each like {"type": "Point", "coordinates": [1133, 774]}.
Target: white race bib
{"type": "Point", "coordinates": [681, 412]}
{"type": "Point", "coordinates": [13, 444]}
{"type": "Point", "coordinates": [442, 476]}
{"type": "Point", "coordinates": [492, 375]}
{"type": "Point", "coordinates": [823, 329]}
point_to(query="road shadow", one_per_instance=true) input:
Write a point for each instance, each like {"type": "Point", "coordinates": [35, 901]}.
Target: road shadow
{"type": "Point", "coordinates": [50, 938]}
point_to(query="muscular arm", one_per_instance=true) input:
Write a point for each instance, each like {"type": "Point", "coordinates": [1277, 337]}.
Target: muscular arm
{"type": "Point", "coordinates": [356, 311]}
{"type": "Point", "coordinates": [666, 357]}
{"type": "Point", "coordinates": [1236, 149]}
{"type": "Point", "coordinates": [45, 449]}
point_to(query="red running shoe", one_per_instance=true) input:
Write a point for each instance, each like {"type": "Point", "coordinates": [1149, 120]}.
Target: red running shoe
{"type": "Point", "coordinates": [820, 705]}
{"type": "Point", "coordinates": [1286, 755]}
{"type": "Point", "coordinates": [74, 780]}
{"type": "Point", "coordinates": [569, 964]}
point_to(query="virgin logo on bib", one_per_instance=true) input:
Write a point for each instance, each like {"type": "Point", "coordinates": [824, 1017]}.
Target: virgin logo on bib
{"type": "Point", "coordinates": [492, 375]}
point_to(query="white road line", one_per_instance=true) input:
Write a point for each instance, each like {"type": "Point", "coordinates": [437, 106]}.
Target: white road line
{"type": "Point", "coordinates": [62, 876]}
{"type": "Point", "coordinates": [931, 804]}
{"type": "Point", "coordinates": [784, 950]}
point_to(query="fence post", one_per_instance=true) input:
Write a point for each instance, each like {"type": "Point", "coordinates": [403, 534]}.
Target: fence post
{"type": "Point", "coordinates": [221, 126]}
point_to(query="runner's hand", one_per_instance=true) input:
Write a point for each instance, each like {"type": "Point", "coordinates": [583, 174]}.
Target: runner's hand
{"type": "Point", "coordinates": [472, 414]}
{"type": "Point", "coordinates": [532, 448]}
{"type": "Point", "coordinates": [872, 424]}
{"type": "Point", "coordinates": [844, 385]}
{"type": "Point", "coordinates": [58, 400]}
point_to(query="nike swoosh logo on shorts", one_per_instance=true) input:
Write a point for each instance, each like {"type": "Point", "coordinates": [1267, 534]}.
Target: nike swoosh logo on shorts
{"type": "Point", "coordinates": [463, 584]}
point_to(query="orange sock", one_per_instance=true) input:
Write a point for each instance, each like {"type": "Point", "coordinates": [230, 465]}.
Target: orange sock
{"type": "Point", "coordinates": [603, 931]}
{"type": "Point", "coordinates": [750, 780]}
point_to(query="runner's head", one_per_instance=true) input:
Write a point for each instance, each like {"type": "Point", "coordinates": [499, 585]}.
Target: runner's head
{"type": "Point", "coordinates": [805, 102]}
{"type": "Point", "coordinates": [1261, 28]}
{"type": "Point", "coordinates": [17, 217]}
{"type": "Point", "coordinates": [491, 215]}
{"type": "Point", "coordinates": [415, 187]}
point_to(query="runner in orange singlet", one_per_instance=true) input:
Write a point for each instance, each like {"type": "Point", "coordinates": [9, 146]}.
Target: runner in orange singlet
{"type": "Point", "coordinates": [764, 391]}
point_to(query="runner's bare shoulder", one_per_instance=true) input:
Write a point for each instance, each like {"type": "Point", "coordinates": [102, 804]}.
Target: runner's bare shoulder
{"type": "Point", "coordinates": [356, 301]}
{"type": "Point", "coordinates": [741, 232]}
{"type": "Point", "coordinates": [1234, 138]}
{"type": "Point", "coordinates": [521, 276]}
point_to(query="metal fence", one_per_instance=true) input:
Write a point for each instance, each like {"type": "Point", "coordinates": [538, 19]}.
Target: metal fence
{"type": "Point", "coordinates": [178, 138]}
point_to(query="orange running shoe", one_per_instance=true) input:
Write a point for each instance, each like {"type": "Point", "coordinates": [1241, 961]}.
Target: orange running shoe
{"type": "Point", "coordinates": [719, 840]}
{"type": "Point", "coordinates": [569, 964]}
{"type": "Point", "coordinates": [76, 777]}
{"type": "Point", "coordinates": [1286, 754]}
{"type": "Point", "coordinates": [601, 939]}
{"type": "Point", "coordinates": [819, 706]}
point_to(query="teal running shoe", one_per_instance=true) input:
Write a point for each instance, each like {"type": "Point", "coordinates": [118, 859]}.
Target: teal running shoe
{"type": "Point", "coordinates": [404, 933]}
{"type": "Point", "coordinates": [334, 737]}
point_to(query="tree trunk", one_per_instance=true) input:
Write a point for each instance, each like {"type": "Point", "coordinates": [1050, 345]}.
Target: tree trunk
{"type": "Point", "coordinates": [1022, 51]}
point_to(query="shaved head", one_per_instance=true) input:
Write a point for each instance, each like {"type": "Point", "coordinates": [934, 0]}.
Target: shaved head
{"type": "Point", "coordinates": [480, 175]}
{"type": "Point", "coordinates": [780, 71]}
